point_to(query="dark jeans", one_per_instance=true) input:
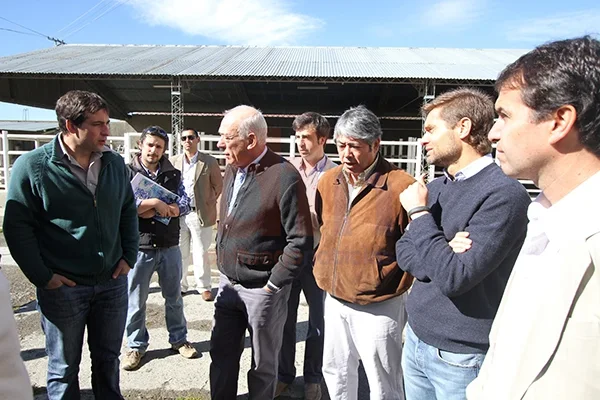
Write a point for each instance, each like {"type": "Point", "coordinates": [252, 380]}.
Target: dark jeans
{"type": "Point", "coordinates": [236, 309]}
{"type": "Point", "coordinates": [313, 352]}
{"type": "Point", "coordinates": [66, 312]}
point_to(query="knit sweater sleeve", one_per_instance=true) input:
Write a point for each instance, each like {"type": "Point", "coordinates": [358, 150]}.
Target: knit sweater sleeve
{"type": "Point", "coordinates": [495, 228]}
{"type": "Point", "coordinates": [128, 226]}
{"type": "Point", "coordinates": [20, 221]}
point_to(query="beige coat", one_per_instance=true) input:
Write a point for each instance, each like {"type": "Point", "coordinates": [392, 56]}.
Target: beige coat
{"type": "Point", "coordinates": [560, 357]}
{"type": "Point", "coordinates": [208, 185]}
{"type": "Point", "coordinates": [14, 381]}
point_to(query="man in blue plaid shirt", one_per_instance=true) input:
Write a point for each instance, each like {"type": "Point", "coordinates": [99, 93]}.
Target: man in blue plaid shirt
{"type": "Point", "coordinates": [158, 251]}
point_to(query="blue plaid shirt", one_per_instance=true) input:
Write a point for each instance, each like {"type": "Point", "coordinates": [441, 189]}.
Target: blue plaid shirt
{"type": "Point", "coordinates": [184, 201]}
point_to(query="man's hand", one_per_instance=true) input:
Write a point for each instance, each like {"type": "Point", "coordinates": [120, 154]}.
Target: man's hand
{"type": "Point", "coordinates": [162, 208]}
{"type": "Point", "coordinates": [461, 242]}
{"type": "Point", "coordinates": [415, 195]}
{"type": "Point", "coordinates": [173, 210]}
{"type": "Point", "coordinates": [122, 269]}
{"type": "Point", "coordinates": [58, 280]}
{"type": "Point", "coordinates": [148, 214]}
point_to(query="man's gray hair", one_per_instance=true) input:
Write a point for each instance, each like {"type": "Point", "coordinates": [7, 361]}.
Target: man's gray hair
{"type": "Point", "coordinates": [251, 120]}
{"type": "Point", "coordinates": [358, 123]}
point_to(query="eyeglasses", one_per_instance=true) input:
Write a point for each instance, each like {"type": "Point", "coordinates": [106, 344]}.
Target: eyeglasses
{"type": "Point", "coordinates": [189, 137]}
{"type": "Point", "coordinates": [156, 130]}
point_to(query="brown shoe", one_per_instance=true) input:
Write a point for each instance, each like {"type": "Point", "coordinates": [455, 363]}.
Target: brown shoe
{"type": "Point", "coordinates": [131, 360]}
{"type": "Point", "coordinates": [312, 391]}
{"type": "Point", "coordinates": [207, 295]}
{"type": "Point", "coordinates": [280, 388]}
{"type": "Point", "coordinates": [186, 350]}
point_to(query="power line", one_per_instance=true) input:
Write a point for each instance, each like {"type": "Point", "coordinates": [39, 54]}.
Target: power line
{"type": "Point", "coordinates": [116, 4]}
{"type": "Point", "coordinates": [55, 40]}
{"type": "Point", "coordinates": [15, 31]}
{"type": "Point", "coordinates": [81, 16]}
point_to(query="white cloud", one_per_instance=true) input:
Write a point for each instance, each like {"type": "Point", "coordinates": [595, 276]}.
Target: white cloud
{"type": "Point", "coordinates": [457, 14]}
{"type": "Point", "coordinates": [558, 26]}
{"type": "Point", "coordinates": [250, 22]}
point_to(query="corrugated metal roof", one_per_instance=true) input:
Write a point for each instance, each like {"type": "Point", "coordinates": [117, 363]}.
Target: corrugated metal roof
{"type": "Point", "coordinates": [28, 126]}
{"type": "Point", "coordinates": [275, 62]}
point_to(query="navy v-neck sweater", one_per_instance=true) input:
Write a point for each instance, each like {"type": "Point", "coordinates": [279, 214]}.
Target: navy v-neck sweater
{"type": "Point", "coordinates": [455, 296]}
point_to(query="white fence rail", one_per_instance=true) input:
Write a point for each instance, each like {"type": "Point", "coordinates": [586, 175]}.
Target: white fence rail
{"type": "Point", "coordinates": [406, 154]}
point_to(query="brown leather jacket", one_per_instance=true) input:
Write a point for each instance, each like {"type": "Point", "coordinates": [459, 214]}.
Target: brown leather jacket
{"type": "Point", "coordinates": [356, 258]}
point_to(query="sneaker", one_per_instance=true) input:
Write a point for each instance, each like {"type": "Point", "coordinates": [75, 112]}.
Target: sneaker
{"type": "Point", "coordinates": [312, 391]}
{"type": "Point", "coordinates": [280, 388]}
{"type": "Point", "coordinates": [131, 360]}
{"type": "Point", "coordinates": [207, 295]}
{"type": "Point", "coordinates": [186, 350]}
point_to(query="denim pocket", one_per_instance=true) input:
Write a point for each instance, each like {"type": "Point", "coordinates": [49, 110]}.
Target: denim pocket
{"type": "Point", "coordinates": [461, 360]}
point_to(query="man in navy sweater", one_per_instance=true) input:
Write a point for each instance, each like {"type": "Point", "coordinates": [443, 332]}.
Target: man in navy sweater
{"type": "Point", "coordinates": [456, 294]}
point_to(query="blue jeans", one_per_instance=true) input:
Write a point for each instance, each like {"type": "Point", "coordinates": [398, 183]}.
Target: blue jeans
{"type": "Point", "coordinates": [66, 312]}
{"type": "Point", "coordinates": [431, 373]}
{"type": "Point", "coordinates": [167, 263]}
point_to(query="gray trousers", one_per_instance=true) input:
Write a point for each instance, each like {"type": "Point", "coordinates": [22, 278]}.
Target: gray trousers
{"type": "Point", "coordinates": [236, 309]}
{"type": "Point", "coordinates": [313, 352]}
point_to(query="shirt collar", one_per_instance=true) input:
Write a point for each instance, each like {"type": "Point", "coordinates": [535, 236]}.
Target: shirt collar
{"type": "Point", "coordinates": [363, 176]}
{"type": "Point", "coordinates": [193, 160]}
{"type": "Point", "coordinates": [256, 161]}
{"type": "Point", "coordinates": [573, 216]}
{"type": "Point", "coordinates": [319, 167]}
{"type": "Point", "coordinates": [64, 153]}
{"type": "Point", "coordinates": [472, 169]}
{"type": "Point", "coordinates": [150, 173]}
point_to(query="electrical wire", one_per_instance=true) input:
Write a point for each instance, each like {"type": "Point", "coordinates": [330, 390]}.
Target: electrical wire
{"type": "Point", "coordinates": [24, 27]}
{"type": "Point", "coordinates": [81, 16]}
{"type": "Point", "coordinates": [116, 4]}
{"type": "Point", "coordinates": [56, 41]}
{"type": "Point", "coordinates": [15, 31]}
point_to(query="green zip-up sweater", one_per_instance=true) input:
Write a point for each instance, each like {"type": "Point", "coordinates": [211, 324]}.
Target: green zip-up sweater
{"type": "Point", "coordinates": [54, 224]}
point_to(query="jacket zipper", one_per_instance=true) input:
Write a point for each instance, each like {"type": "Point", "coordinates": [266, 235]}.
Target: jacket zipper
{"type": "Point", "coordinates": [99, 230]}
{"type": "Point", "coordinates": [336, 252]}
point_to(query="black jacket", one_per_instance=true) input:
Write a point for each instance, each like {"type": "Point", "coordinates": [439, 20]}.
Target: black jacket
{"type": "Point", "coordinates": [154, 234]}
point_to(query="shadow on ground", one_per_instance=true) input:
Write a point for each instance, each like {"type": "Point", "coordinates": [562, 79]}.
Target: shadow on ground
{"type": "Point", "coordinates": [86, 394]}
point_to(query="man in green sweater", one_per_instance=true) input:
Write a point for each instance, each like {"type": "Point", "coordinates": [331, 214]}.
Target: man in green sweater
{"type": "Point", "coordinates": [71, 225]}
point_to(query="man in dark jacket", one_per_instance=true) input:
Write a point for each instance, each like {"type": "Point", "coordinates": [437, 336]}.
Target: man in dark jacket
{"type": "Point", "coordinates": [71, 226]}
{"type": "Point", "coordinates": [159, 249]}
{"type": "Point", "coordinates": [264, 238]}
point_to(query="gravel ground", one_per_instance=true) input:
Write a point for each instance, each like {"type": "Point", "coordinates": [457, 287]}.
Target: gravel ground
{"type": "Point", "coordinates": [163, 373]}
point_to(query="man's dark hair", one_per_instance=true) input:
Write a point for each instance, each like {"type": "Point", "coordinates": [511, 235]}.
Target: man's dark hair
{"type": "Point", "coordinates": [154, 130]}
{"type": "Point", "coordinates": [312, 120]}
{"type": "Point", "coordinates": [191, 129]}
{"type": "Point", "coordinates": [74, 106]}
{"type": "Point", "coordinates": [565, 72]}
{"type": "Point", "coordinates": [470, 103]}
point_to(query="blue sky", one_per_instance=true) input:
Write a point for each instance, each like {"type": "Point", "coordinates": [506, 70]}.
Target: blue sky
{"type": "Point", "coordinates": [383, 23]}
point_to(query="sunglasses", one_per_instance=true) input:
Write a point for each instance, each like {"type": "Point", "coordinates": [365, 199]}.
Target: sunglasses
{"type": "Point", "coordinates": [189, 137]}
{"type": "Point", "coordinates": [156, 130]}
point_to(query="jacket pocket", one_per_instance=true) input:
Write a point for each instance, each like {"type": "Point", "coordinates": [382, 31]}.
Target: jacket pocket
{"type": "Point", "coordinates": [256, 261]}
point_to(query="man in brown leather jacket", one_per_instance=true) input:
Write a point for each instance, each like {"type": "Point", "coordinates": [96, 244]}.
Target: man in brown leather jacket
{"type": "Point", "coordinates": [362, 218]}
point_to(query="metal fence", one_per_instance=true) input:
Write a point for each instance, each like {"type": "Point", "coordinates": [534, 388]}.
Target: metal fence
{"type": "Point", "coordinates": [406, 154]}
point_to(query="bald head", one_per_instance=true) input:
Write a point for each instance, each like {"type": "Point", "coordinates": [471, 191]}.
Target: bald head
{"type": "Point", "coordinates": [243, 133]}
{"type": "Point", "coordinates": [247, 120]}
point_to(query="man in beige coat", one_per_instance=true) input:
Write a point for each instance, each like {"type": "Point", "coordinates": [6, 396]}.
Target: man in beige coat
{"type": "Point", "coordinates": [203, 184]}
{"type": "Point", "coordinates": [545, 340]}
